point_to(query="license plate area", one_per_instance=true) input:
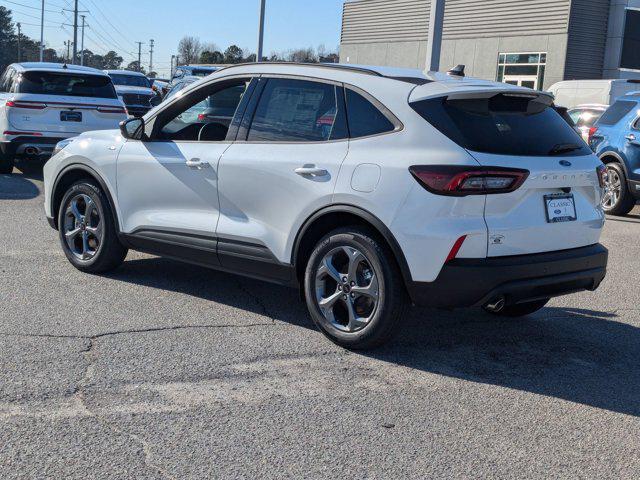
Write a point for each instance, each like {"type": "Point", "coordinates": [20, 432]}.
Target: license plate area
{"type": "Point", "coordinates": [560, 207]}
{"type": "Point", "coordinates": [70, 116]}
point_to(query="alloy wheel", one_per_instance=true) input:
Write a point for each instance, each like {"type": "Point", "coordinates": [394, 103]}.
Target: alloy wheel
{"type": "Point", "coordinates": [612, 189]}
{"type": "Point", "coordinates": [347, 290]}
{"type": "Point", "coordinates": [83, 232]}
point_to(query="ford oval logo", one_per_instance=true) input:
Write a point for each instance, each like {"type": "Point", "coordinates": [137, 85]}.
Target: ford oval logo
{"type": "Point", "coordinates": [565, 163]}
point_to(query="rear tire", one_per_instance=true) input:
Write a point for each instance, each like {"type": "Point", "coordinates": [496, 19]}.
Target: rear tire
{"type": "Point", "coordinates": [520, 309]}
{"type": "Point", "coordinates": [6, 163]}
{"type": "Point", "coordinates": [618, 200]}
{"type": "Point", "coordinates": [355, 277]}
{"type": "Point", "coordinates": [87, 229]}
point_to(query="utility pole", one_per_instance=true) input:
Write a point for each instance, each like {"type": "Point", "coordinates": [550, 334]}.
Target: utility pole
{"type": "Point", "coordinates": [75, 32]}
{"type": "Point", "coordinates": [19, 35]}
{"type": "Point", "coordinates": [260, 31]}
{"type": "Point", "coordinates": [68, 45]}
{"type": "Point", "coordinates": [173, 57]}
{"type": "Point", "coordinates": [151, 55]}
{"type": "Point", "coordinates": [140, 55]}
{"type": "Point", "coordinates": [42, 33]}
{"type": "Point", "coordinates": [82, 42]}
{"type": "Point", "coordinates": [434, 39]}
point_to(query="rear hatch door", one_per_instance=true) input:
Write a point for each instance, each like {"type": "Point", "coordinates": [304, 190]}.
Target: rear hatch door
{"type": "Point", "coordinates": [64, 103]}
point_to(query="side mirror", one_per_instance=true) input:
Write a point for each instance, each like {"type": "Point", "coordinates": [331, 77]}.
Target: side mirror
{"type": "Point", "coordinates": [155, 100]}
{"type": "Point", "coordinates": [179, 73]}
{"type": "Point", "coordinates": [132, 129]}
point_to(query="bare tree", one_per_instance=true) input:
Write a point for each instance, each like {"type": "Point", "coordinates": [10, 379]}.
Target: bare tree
{"type": "Point", "coordinates": [189, 50]}
{"type": "Point", "coordinates": [302, 55]}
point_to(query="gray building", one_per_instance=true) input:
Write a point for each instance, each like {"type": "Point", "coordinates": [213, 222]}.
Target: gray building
{"type": "Point", "coordinates": [533, 43]}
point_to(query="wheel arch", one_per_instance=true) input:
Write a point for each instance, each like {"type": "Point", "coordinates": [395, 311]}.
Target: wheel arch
{"type": "Point", "coordinates": [611, 156]}
{"type": "Point", "coordinates": [328, 218]}
{"type": "Point", "coordinates": [71, 174]}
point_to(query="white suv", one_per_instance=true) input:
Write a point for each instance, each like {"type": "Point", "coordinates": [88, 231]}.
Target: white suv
{"type": "Point", "coordinates": [43, 103]}
{"type": "Point", "coordinates": [367, 188]}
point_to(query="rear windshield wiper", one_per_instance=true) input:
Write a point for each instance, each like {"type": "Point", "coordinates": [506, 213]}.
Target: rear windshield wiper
{"type": "Point", "coordinates": [564, 148]}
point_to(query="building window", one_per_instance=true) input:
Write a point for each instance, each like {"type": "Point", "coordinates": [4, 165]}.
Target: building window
{"type": "Point", "coordinates": [523, 69]}
{"type": "Point", "coordinates": [630, 57]}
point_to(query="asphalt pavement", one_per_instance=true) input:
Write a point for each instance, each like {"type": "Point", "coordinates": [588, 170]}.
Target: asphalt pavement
{"type": "Point", "coordinates": [164, 370]}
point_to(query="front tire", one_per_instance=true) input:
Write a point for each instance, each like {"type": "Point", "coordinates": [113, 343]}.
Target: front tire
{"type": "Point", "coordinates": [87, 229]}
{"type": "Point", "coordinates": [354, 289]}
{"type": "Point", "coordinates": [6, 163]}
{"type": "Point", "coordinates": [617, 199]}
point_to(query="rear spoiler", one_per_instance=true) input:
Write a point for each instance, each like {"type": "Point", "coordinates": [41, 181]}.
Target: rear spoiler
{"type": "Point", "coordinates": [475, 92]}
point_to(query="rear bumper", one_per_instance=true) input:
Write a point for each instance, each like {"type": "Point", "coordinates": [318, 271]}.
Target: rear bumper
{"type": "Point", "coordinates": [20, 146]}
{"type": "Point", "coordinates": [137, 110]}
{"type": "Point", "coordinates": [521, 278]}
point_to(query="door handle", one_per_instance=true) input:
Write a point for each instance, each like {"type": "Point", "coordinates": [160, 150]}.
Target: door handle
{"type": "Point", "coordinates": [311, 170]}
{"type": "Point", "coordinates": [197, 163]}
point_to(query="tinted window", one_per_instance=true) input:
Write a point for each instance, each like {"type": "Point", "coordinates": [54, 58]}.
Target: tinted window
{"type": "Point", "coordinates": [202, 115]}
{"type": "Point", "coordinates": [130, 80]}
{"type": "Point", "coordinates": [616, 112]}
{"type": "Point", "coordinates": [364, 117]}
{"type": "Point", "coordinates": [585, 118]}
{"type": "Point", "coordinates": [69, 84]}
{"type": "Point", "coordinates": [298, 111]}
{"type": "Point", "coordinates": [502, 125]}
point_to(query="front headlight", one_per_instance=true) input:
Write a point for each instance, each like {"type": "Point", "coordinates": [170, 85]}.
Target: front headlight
{"type": "Point", "coordinates": [60, 145]}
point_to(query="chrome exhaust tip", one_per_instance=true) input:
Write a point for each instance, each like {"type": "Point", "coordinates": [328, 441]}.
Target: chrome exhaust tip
{"type": "Point", "coordinates": [495, 305]}
{"type": "Point", "coordinates": [31, 151]}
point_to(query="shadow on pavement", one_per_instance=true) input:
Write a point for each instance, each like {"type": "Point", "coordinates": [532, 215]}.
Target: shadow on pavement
{"type": "Point", "coordinates": [19, 185]}
{"type": "Point", "coordinates": [579, 355]}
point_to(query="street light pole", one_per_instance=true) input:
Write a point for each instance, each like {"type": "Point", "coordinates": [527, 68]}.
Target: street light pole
{"type": "Point", "coordinates": [42, 33]}
{"type": "Point", "coordinates": [261, 31]}
{"type": "Point", "coordinates": [434, 40]}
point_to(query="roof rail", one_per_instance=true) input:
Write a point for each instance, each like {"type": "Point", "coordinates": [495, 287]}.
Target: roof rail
{"type": "Point", "coordinates": [340, 66]}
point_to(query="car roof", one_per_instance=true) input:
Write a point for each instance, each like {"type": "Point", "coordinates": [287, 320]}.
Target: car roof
{"type": "Point", "coordinates": [125, 72]}
{"type": "Point", "coordinates": [199, 67]}
{"type": "Point", "coordinates": [55, 67]}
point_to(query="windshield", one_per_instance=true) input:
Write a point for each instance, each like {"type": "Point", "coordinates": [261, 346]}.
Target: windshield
{"type": "Point", "coordinates": [502, 124]}
{"type": "Point", "coordinates": [130, 80]}
{"type": "Point", "coordinates": [68, 84]}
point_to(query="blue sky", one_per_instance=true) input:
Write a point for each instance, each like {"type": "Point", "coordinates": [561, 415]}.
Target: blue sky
{"type": "Point", "coordinates": [289, 24]}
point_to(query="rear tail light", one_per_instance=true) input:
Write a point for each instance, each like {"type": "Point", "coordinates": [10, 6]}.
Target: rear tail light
{"type": "Point", "coordinates": [112, 110]}
{"type": "Point", "coordinates": [592, 132]}
{"type": "Point", "coordinates": [29, 105]}
{"type": "Point", "coordinates": [202, 117]}
{"type": "Point", "coordinates": [460, 181]}
{"type": "Point", "coordinates": [601, 170]}
{"type": "Point", "coordinates": [31, 134]}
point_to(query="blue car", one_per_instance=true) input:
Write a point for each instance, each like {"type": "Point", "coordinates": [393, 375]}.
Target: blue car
{"type": "Point", "coordinates": [615, 139]}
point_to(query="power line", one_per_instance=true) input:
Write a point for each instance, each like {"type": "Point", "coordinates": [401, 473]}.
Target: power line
{"type": "Point", "coordinates": [128, 40]}
{"type": "Point", "coordinates": [29, 6]}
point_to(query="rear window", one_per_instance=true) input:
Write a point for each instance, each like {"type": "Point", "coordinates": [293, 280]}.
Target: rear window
{"type": "Point", "coordinates": [130, 80]}
{"type": "Point", "coordinates": [585, 118]}
{"type": "Point", "coordinates": [616, 112]}
{"type": "Point", "coordinates": [503, 125]}
{"type": "Point", "coordinates": [68, 84]}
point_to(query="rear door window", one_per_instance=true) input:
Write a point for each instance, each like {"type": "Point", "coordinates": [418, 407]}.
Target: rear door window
{"type": "Point", "coordinates": [365, 119]}
{"type": "Point", "coordinates": [616, 112]}
{"type": "Point", "coordinates": [299, 111]}
{"type": "Point", "coordinates": [67, 84]}
{"type": "Point", "coordinates": [504, 125]}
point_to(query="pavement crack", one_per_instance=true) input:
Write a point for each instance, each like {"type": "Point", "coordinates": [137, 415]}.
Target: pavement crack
{"type": "Point", "coordinates": [257, 300]}
{"type": "Point", "coordinates": [136, 330]}
{"type": "Point", "coordinates": [90, 353]}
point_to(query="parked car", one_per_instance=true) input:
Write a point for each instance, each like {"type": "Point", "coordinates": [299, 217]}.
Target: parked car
{"type": "Point", "coordinates": [43, 103]}
{"type": "Point", "coordinates": [191, 71]}
{"type": "Point", "coordinates": [160, 86]}
{"type": "Point", "coordinates": [366, 188]}
{"type": "Point", "coordinates": [571, 93]}
{"type": "Point", "coordinates": [181, 84]}
{"type": "Point", "coordinates": [585, 116]}
{"type": "Point", "coordinates": [134, 89]}
{"type": "Point", "coordinates": [615, 139]}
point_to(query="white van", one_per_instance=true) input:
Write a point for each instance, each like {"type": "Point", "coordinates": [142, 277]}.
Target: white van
{"type": "Point", "coordinates": [43, 103]}
{"type": "Point", "coordinates": [571, 93]}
